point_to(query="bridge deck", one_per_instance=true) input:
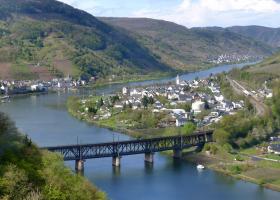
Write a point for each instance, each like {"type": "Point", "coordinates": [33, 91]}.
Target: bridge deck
{"type": "Point", "coordinates": [130, 147]}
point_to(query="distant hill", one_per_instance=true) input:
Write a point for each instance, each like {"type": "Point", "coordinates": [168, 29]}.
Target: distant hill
{"type": "Point", "coordinates": [270, 36]}
{"type": "Point", "coordinates": [181, 47]}
{"type": "Point", "coordinates": [42, 39]}
{"type": "Point", "coordinates": [46, 38]}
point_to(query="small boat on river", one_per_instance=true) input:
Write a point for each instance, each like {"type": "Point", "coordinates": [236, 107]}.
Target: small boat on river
{"type": "Point", "coordinates": [199, 167]}
{"type": "Point", "coordinates": [5, 99]}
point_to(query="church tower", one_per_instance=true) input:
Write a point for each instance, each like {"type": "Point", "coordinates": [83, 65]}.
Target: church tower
{"type": "Point", "coordinates": [177, 80]}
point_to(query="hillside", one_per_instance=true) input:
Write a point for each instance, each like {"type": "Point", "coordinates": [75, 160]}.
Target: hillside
{"type": "Point", "coordinates": [270, 65]}
{"type": "Point", "coordinates": [256, 75]}
{"type": "Point", "coordinates": [183, 48]}
{"type": "Point", "coordinates": [46, 38]}
{"type": "Point", "coordinates": [29, 173]}
{"type": "Point", "coordinates": [270, 36]}
{"type": "Point", "coordinates": [42, 39]}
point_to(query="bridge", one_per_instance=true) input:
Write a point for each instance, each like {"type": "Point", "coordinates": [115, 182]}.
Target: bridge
{"type": "Point", "coordinates": [116, 150]}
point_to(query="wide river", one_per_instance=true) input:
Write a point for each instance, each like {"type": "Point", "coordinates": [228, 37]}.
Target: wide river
{"type": "Point", "coordinates": [45, 119]}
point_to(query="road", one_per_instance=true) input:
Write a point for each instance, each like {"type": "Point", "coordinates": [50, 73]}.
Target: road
{"type": "Point", "coordinates": [257, 102]}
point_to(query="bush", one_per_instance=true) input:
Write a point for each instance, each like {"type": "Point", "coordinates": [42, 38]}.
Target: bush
{"type": "Point", "coordinates": [188, 128]}
{"type": "Point", "coordinates": [235, 169]}
{"type": "Point", "coordinates": [239, 158]}
{"type": "Point", "coordinates": [210, 147]}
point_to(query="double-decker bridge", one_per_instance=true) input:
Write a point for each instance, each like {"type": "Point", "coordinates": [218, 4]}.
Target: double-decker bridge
{"type": "Point", "coordinates": [116, 150]}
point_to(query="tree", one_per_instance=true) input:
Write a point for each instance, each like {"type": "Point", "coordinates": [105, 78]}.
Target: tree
{"type": "Point", "coordinates": [249, 105]}
{"type": "Point", "coordinates": [151, 100]}
{"type": "Point", "coordinates": [189, 128]}
{"type": "Point", "coordinates": [100, 103]}
{"type": "Point", "coordinates": [221, 136]}
{"type": "Point", "coordinates": [114, 99]}
{"type": "Point", "coordinates": [145, 101]}
{"type": "Point", "coordinates": [187, 107]}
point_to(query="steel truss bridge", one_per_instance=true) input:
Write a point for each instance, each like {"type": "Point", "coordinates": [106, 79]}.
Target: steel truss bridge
{"type": "Point", "coordinates": [131, 147]}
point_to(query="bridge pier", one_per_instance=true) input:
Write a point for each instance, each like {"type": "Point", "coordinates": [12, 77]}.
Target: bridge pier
{"type": "Point", "coordinates": [116, 161]}
{"type": "Point", "coordinates": [149, 157]}
{"type": "Point", "coordinates": [79, 165]}
{"type": "Point", "coordinates": [177, 153]}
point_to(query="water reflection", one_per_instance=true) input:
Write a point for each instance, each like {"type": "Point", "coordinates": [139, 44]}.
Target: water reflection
{"type": "Point", "coordinates": [116, 171]}
{"type": "Point", "coordinates": [149, 167]}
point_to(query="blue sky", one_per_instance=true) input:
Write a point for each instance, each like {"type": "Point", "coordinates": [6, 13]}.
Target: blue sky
{"type": "Point", "coordinates": [190, 13]}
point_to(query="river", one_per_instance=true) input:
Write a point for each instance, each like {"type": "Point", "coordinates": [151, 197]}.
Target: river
{"type": "Point", "coordinates": [45, 119]}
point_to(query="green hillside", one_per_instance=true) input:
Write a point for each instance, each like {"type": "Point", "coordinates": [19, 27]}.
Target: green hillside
{"type": "Point", "coordinates": [269, 65]}
{"type": "Point", "coordinates": [256, 75]}
{"type": "Point", "coordinates": [270, 36]}
{"type": "Point", "coordinates": [45, 38]}
{"type": "Point", "coordinates": [26, 173]}
{"type": "Point", "coordinates": [183, 48]}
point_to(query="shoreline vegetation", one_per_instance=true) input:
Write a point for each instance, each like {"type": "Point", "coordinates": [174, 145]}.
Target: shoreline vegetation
{"type": "Point", "coordinates": [26, 172]}
{"type": "Point", "coordinates": [238, 139]}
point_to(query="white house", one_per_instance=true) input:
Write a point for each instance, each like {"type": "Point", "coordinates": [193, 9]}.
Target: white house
{"type": "Point", "coordinates": [219, 98]}
{"type": "Point", "coordinates": [274, 148]}
{"type": "Point", "coordinates": [269, 95]}
{"type": "Point", "coordinates": [118, 106]}
{"type": "Point", "coordinates": [198, 106]}
{"type": "Point", "coordinates": [34, 87]}
{"type": "Point", "coordinates": [134, 92]}
{"type": "Point", "coordinates": [124, 91]}
{"type": "Point", "coordinates": [173, 96]}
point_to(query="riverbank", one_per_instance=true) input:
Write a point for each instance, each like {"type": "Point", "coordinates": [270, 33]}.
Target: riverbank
{"type": "Point", "coordinates": [263, 173]}
{"type": "Point", "coordinates": [111, 127]}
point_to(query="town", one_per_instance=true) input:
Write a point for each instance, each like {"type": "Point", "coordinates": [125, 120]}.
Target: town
{"type": "Point", "coordinates": [10, 88]}
{"type": "Point", "coordinates": [199, 101]}
{"type": "Point", "coordinates": [233, 58]}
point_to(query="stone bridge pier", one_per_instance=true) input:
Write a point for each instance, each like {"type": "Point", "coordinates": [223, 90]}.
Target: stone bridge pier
{"type": "Point", "coordinates": [116, 161]}
{"type": "Point", "coordinates": [149, 157]}
{"type": "Point", "coordinates": [177, 153]}
{"type": "Point", "coordinates": [79, 165]}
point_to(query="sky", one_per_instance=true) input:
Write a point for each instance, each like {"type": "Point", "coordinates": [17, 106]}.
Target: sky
{"type": "Point", "coordinates": [190, 13]}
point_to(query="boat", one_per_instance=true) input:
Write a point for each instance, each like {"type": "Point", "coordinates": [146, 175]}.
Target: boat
{"type": "Point", "coordinates": [5, 99]}
{"type": "Point", "coordinates": [200, 167]}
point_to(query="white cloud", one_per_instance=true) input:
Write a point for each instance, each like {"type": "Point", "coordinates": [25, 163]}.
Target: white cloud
{"type": "Point", "coordinates": [240, 5]}
{"type": "Point", "coordinates": [219, 13]}
{"type": "Point", "coordinates": [189, 12]}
